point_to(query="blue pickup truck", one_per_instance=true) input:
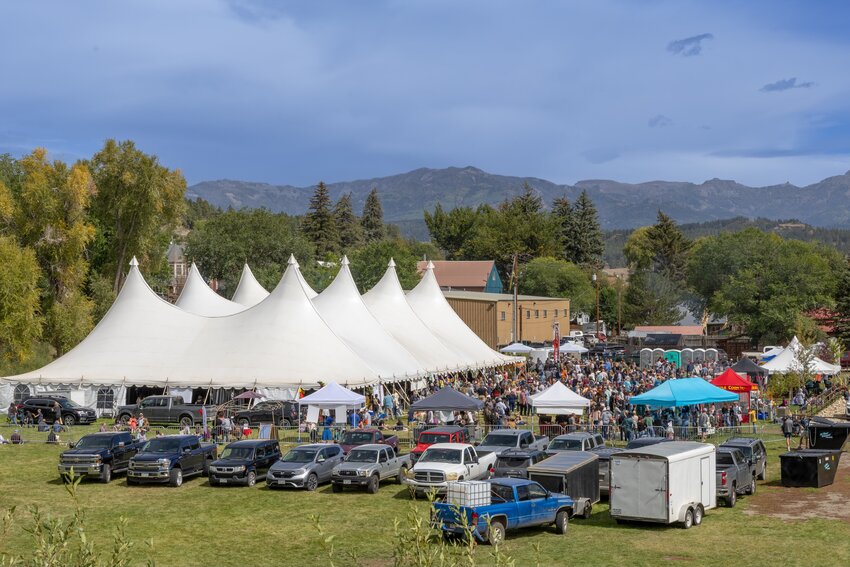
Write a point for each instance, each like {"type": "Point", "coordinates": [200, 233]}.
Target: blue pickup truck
{"type": "Point", "coordinates": [514, 503]}
{"type": "Point", "coordinates": [170, 459]}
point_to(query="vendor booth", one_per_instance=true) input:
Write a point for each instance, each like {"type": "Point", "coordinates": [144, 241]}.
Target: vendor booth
{"type": "Point", "coordinates": [731, 381]}
{"type": "Point", "coordinates": [683, 392]}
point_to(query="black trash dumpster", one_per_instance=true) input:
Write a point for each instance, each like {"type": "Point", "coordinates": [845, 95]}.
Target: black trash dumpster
{"type": "Point", "coordinates": [826, 434]}
{"type": "Point", "coordinates": [809, 467]}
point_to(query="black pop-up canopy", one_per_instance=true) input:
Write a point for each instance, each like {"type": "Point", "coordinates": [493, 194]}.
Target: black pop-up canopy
{"type": "Point", "coordinates": [447, 399]}
{"type": "Point", "coordinates": [748, 367]}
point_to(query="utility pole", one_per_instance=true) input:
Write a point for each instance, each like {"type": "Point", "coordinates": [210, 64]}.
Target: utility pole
{"type": "Point", "coordinates": [596, 283]}
{"type": "Point", "coordinates": [515, 278]}
{"type": "Point", "coordinates": [619, 303]}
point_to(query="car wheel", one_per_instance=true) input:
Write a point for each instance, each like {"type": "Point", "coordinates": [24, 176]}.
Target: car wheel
{"type": "Point", "coordinates": [106, 474]}
{"type": "Point", "coordinates": [699, 513]}
{"type": "Point", "coordinates": [206, 470]}
{"type": "Point", "coordinates": [496, 533]}
{"type": "Point", "coordinates": [752, 489]}
{"type": "Point", "coordinates": [689, 519]}
{"type": "Point", "coordinates": [175, 477]}
{"type": "Point", "coordinates": [286, 423]}
{"type": "Point", "coordinates": [763, 474]}
{"type": "Point", "coordinates": [252, 478]}
{"type": "Point", "coordinates": [312, 482]}
{"type": "Point", "coordinates": [69, 419]}
{"type": "Point", "coordinates": [123, 419]}
{"type": "Point", "coordinates": [402, 472]}
{"type": "Point", "coordinates": [733, 497]}
{"type": "Point", "coordinates": [336, 487]}
{"type": "Point", "coordinates": [374, 483]}
{"type": "Point", "coordinates": [562, 522]}
{"type": "Point", "coordinates": [186, 421]}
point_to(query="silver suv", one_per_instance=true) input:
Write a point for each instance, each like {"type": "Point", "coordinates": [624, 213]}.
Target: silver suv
{"type": "Point", "coordinates": [305, 466]}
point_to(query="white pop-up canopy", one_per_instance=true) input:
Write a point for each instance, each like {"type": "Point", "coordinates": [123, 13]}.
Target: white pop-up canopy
{"type": "Point", "coordinates": [516, 348]}
{"type": "Point", "coordinates": [198, 298]}
{"type": "Point", "coordinates": [342, 308]}
{"type": "Point", "coordinates": [786, 361]}
{"type": "Point", "coordinates": [557, 399]}
{"type": "Point", "coordinates": [249, 292]}
{"type": "Point", "coordinates": [429, 303]}
{"type": "Point", "coordinates": [332, 396]}
{"type": "Point", "coordinates": [572, 348]}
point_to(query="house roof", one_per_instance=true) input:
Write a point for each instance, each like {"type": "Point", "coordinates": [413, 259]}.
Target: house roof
{"type": "Point", "coordinates": [175, 253]}
{"type": "Point", "coordinates": [485, 296]}
{"type": "Point", "coordinates": [687, 330]}
{"type": "Point", "coordinates": [459, 273]}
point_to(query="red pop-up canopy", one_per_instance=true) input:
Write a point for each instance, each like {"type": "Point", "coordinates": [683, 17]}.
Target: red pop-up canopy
{"type": "Point", "coordinates": [731, 381]}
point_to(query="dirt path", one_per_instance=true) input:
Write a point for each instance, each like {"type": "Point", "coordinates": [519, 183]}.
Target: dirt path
{"type": "Point", "coordinates": [829, 502]}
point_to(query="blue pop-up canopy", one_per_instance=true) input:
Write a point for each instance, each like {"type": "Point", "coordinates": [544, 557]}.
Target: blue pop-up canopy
{"type": "Point", "coordinates": [683, 392]}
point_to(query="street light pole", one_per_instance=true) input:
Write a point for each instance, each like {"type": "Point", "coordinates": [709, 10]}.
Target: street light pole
{"type": "Point", "coordinates": [596, 283]}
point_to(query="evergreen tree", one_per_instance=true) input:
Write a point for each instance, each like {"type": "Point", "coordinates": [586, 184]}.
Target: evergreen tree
{"type": "Point", "coordinates": [650, 299]}
{"type": "Point", "coordinates": [347, 224]}
{"type": "Point", "coordinates": [372, 219]}
{"type": "Point", "coordinates": [319, 225]}
{"type": "Point", "coordinates": [562, 214]}
{"type": "Point", "coordinates": [670, 248]}
{"type": "Point", "coordinates": [584, 244]}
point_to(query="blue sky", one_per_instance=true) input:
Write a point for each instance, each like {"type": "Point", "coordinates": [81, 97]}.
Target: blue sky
{"type": "Point", "coordinates": [295, 92]}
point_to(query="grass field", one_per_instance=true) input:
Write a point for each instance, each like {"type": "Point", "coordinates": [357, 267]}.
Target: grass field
{"type": "Point", "coordinates": [200, 525]}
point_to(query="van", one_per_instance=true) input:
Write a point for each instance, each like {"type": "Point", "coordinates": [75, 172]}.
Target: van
{"type": "Point", "coordinates": [664, 483]}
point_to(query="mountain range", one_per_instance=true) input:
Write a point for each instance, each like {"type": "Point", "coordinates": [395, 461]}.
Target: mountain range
{"type": "Point", "coordinates": [621, 205]}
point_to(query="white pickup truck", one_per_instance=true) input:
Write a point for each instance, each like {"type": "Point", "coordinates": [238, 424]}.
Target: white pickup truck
{"type": "Point", "coordinates": [443, 463]}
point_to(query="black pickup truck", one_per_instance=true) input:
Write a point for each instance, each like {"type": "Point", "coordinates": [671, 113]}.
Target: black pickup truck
{"type": "Point", "coordinates": [164, 410]}
{"type": "Point", "coordinates": [98, 454]}
{"type": "Point", "coordinates": [170, 459]}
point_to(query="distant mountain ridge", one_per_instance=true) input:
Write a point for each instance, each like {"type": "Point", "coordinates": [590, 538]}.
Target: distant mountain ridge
{"type": "Point", "coordinates": [621, 205]}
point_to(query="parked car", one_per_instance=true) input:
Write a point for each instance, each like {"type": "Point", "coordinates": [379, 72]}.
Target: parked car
{"type": "Point", "coordinates": [511, 503]}
{"type": "Point", "coordinates": [356, 437]}
{"type": "Point", "coordinates": [515, 462]}
{"type": "Point", "coordinates": [645, 442]}
{"type": "Point", "coordinates": [170, 459]}
{"type": "Point", "coordinates": [98, 454]}
{"type": "Point", "coordinates": [281, 413]}
{"type": "Point", "coordinates": [444, 463]}
{"type": "Point", "coordinates": [165, 410]}
{"type": "Point", "coordinates": [605, 454]}
{"type": "Point", "coordinates": [665, 483]}
{"type": "Point", "coordinates": [736, 474]}
{"type": "Point", "coordinates": [367, 465]}
{"type": "Point", "coordinates": [577, 441]}
{"type": "Point", "coordinates": [501, 440]}
{"type": "Point", "coordinates": [444, 434]}
{"type": "Point", "coordinates": [305, 466]}
{"type": "Point", "coordinates": [70, 411]}
{"type": "Point", "coordinates": [753, 449]}
{"type": "Point", "coordinates": [244, 462]}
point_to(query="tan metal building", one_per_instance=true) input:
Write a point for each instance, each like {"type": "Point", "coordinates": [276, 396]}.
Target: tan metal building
{"type": "Point", "coordinates": [490, 315]}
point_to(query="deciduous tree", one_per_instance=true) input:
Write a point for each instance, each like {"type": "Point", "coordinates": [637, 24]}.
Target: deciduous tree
{"type": "Point", "coordinates": [20, 315]}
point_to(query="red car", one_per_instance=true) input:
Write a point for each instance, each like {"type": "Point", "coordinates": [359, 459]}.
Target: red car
{"type": "Point", "coordinates": [446, 434]}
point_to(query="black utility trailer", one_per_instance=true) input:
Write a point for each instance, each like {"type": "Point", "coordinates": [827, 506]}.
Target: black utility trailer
{"type": "Point", "coordinates": [575, 473]}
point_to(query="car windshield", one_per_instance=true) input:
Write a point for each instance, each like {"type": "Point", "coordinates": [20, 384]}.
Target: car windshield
{"type": "Point", "coordinates": [362, 456]}
{"type": "Point", "coordinates": [432, 438]}
{"type": "Point", "coordinates": [299, 456]}
{"type": "Point", "coordinates": [95, 442]}
{"type": "Point", "coordinates": [69, 404]}
{"type": "Point", "coordinates": [161, 445]}
{"type": "Point", "coordinates": [724, 459]}
{"type": "Point", "coordinates": [238, 453]}
{"type": "Point", "coordinates": [497, 440]}
{"type": "Point", "coordinates": [452, 456]}
{"type": "Point", "coordinates": [356, 438]}
{"type": "Point", "coordinates": [565, 445]}
{"type": "Point", "coordinates": [746, 450]}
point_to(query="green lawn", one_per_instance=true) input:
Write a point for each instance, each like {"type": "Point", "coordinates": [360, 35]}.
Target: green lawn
{"type": "Point", "coordinates": [200, 525]}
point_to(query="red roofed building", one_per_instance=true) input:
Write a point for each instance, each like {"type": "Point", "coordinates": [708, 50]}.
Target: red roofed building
{"type": "Point", "coordinates": [465, 275]}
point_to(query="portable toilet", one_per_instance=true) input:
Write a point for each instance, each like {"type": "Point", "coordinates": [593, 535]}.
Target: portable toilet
{"type": "Point", "coordinates": [711, 355]}
{"type": "Point", "coordinates": [645, 357]}
{"type": "Point", "coordinates": [699, 355]}
{"type": "Point", "coordinates": [687, 356]}
{"type": "Point", "coordinates": [674, 356]}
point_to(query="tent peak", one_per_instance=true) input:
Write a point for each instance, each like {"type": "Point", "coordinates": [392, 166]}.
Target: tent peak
{"type": "Point", "coordinates": [430, 265]}
{"type": "Point", "coordinates": [391, 263]}
{"type": "Point", "coordinates": [134, 263]}
{"type": "Point", "coordinates": [292, 261]}
{"type": "Point", "coordinates": [345, 261]}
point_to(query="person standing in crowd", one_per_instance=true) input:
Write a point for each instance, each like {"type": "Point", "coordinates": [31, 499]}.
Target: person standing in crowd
{"type": "Point", "coordinates": [788, 430]}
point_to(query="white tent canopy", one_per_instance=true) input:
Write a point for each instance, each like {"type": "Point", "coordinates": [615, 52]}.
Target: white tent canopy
{"type": "Point", "coordinates": [558, 399]}
{"type": "Point", "coordinates": [342, 308]}
{"type": "Point", "coordinates": [516, 348]}
{"type": "Point", "coordinates": [249, 292]}
{"type": "Point", "coordinates": [786, 361]}
{"type": "Point", "coordinates": [387, 303]}
{"type": "Point", "coordinates": [332, 396]}
{"type": "Point", "coordinates": [572, 348]}
{"type": "Point", "coordinates": [198, 298]}
{"type": "Point", "coordinates": [429, 303]}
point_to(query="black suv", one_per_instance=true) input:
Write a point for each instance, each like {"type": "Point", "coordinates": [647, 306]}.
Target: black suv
{"type": "Point", "coordinates": [753, 449]}
{"type": "Point", "coordinates": [279, 412]}
{"type": "Point", "coordinates": [72, 412]}
{"type": "Point", "coordinates": [245, 462]}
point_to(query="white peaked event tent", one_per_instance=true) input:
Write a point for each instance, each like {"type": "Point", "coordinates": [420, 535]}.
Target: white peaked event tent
{"type": "Point", "coordinates": [198, 298]}
{"type": "Point", "coordinates": [387, 303]}
{"type": "Point", "coordinates": [429, 303]}
{"type": "Point", "coordinates": [249, 292]}
{"type": "Point", "coordinates": [342, 308]}
{"type": "Point", "coordinates": [786, 361]}
{"type": "Point", "coordinates": [557, 399]}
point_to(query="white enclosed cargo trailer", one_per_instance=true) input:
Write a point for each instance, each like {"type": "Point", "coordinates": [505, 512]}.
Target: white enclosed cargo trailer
{"type": "Point", "coordinates": [664, 483]}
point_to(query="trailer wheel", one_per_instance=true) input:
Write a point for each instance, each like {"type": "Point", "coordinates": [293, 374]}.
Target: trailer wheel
{"type": "Point", "coordinates": [699, 513]}
{"type": "Point", "coordinates": [689, 519]}
{"type": "Point", "coordinates": [562, 522]}
{"type": "Point", "coordinates": [496, 532]}
{"type": "Point", "coordinates": [588, 510]}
